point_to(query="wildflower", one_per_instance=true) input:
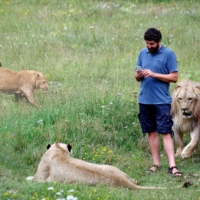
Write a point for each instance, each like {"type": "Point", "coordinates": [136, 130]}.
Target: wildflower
{"type": "Point", "coordinates": [40, 121]}
{"type": "Point", "coordinates": [71, 197]}
{"type": "Point", "coordinates": [50, 188]}
{"type": "Point", "coordinates": [103, 148]}
{"type": "Point", "coordinates": [6, 193]}
{"type": "Point", "coordinates": [47, 76]}
{"type": "Point", "coordinates": [29, 178]}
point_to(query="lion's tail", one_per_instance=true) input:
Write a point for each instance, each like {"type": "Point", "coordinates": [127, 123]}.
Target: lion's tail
{"type": "Point", "coordinates": [148, 188]}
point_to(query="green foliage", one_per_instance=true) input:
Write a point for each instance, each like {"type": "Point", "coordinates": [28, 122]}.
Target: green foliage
{"type": "Point", "coordinates": [87, 50]}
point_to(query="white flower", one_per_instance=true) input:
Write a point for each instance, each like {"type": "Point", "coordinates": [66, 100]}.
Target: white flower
{"type": "Point", "coordinates": [40, 121]}
{"type": "Point", "coordinates": [29, 178]}
{"type": "Point", "coordinates": [72, 190]}
{"type": "Point", "coordinates": [71, 197]}
{"type": "Point", "coordinates": [50, 188]}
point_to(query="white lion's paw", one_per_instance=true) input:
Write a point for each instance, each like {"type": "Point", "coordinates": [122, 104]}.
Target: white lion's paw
{"type": "Point", "coordinates": [186, 154]}
{"type": "Point", "coordinates": [29, 178]}
{"type": "Point", "coordinates": [182, 156]}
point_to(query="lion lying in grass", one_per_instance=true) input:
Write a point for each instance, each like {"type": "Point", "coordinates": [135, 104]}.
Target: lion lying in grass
{"type": "Point", "coordinates": [22, 84]}
{"type": "Point", "coordinates": [56, 165]}
{"type": "Point", "coordinates": [186, 116]}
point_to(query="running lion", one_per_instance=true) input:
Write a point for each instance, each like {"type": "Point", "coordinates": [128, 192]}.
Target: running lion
{"type": "Point", "coordinates": [22, 84]}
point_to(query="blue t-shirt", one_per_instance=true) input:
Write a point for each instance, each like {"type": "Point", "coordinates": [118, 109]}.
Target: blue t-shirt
{"type": "Point", "coordinates": [152, 90]}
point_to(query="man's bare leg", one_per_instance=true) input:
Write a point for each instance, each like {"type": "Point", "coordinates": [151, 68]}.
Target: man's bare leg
{"type": "Point", "coordinates": [154, 144]}
{"type": "Point", "coordinates": [169, 149]}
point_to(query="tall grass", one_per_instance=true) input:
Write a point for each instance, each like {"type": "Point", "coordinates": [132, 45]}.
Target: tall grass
{"type": "Point", "coordinates": [87, 50]}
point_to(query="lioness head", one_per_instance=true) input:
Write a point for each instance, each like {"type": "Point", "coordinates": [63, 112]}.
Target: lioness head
{"type": "Point", "coordinates": [65, 147]}
{"type": "Point", "coordinates": [186, 99]}
{"type": "Point", "coordinates": [41, 82]}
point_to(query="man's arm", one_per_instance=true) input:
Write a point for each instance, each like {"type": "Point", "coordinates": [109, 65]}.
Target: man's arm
{"type": "Point", "coordinates": [172, 77]}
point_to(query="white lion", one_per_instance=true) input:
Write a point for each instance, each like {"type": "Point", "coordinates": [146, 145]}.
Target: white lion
{"type": "Point", "coordinates": [186, 116]}
{"type": "Point", "coordinates": [57, 165]}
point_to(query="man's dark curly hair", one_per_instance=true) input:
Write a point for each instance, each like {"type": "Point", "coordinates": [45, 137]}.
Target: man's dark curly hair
{"type": "Point", "coordinates": [152, 34]}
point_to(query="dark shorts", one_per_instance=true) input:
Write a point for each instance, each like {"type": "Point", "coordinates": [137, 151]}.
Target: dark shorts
{"type": "Point", "coordinates": [155, 118]}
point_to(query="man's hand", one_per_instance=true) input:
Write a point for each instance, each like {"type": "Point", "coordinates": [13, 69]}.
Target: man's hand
{"type": "Point", "coordinates": [148, 72]}
{"type": "Point", "coordinates": [138, 75]}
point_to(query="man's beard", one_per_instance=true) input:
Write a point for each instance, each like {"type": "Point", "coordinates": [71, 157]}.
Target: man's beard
{"type": "Point", "coordinates": [153, 49]}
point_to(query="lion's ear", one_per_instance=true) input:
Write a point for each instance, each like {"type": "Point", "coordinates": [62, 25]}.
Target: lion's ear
{"type": "Point", "coordinates": [48, 146]}
{"type": "Point", "coordinates": [177, 88]}
{"type": "Point", "coordinates": [197, 90]}
{"type": "Point", "coordinates": [69, 146]}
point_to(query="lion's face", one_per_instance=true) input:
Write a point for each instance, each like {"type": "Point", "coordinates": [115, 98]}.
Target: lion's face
{"type": "Point", "coordinates": [186, 101]}
{"type": "Point", "coordinates": [186, 97]}
{"type": "Point", "coordinates": [41, 82]}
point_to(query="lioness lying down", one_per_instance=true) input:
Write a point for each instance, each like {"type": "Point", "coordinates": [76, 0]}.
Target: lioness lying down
{"type": "Point", "coordinates": [22, 84]}
{"type": "Point", "coordinates": [56, 165]}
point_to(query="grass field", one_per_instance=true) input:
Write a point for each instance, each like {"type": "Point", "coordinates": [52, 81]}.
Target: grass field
{"type": "Point", "coordinates": [87, 50]}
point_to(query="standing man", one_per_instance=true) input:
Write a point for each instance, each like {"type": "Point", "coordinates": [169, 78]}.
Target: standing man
{"type": "Point", "coordinates": [158, 68]}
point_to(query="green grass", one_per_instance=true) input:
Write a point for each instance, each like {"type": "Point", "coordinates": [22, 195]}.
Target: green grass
{"type": "Point", "coordinates": [87, 50]}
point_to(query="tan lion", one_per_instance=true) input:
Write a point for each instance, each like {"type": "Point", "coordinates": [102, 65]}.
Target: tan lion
{"type": "Point", "coordinates": [22, 84]}
{"type": "Point", "coordinates": [186, 116]}
{"type": "Point", "coordinates": [56, 165]}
